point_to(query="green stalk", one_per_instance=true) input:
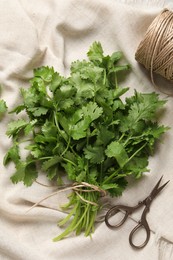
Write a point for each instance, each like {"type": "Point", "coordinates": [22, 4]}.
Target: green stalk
{"type": "Point", "coordinates": [136, 152]}
{"type": "Point", "coordinates": [111, 176]}
{"type": "Point", "coordinates": [67, 147]}
{"type": "Point", "coordinates": [90, 228]}
{"type": "Point", "coordinates": [69, 229]}
{"type": "Point", "coordinates": [118, 170]}
{"type": "Point", "coordinates": [83, 214]}
{"type": "Point", "coordinates": [116, 80]}
{"type": "Point", "coordinates": [69, 161]}
{"type": "Point", "coordinates": [67, 218]}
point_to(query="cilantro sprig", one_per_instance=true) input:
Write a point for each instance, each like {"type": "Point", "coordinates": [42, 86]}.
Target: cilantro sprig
{"type": "Point", "coordinates": [82, 126]}
{"type": "Point", "coordinates": [3, 106]}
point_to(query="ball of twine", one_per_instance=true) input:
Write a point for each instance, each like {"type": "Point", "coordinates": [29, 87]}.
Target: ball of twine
{"type": "Point", "coordinates": [155, 51]}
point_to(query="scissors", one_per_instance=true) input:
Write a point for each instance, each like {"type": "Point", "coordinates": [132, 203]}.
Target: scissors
{"type": "Point", "coordinates": [129, 210]}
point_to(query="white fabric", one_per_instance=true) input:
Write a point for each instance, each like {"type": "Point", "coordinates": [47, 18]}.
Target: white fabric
{"type": "Point", "coordinates": [35, 33]}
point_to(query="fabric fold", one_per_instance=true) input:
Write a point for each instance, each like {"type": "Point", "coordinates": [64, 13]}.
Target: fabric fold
{"type": "Point", "coordinates": [55, 33]}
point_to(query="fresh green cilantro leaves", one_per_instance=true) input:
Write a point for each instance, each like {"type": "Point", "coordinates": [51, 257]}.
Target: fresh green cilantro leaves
{"type": "Point", "coordinates": [117, 150]}
{"type": "Point", "coordinates": [82, 126]}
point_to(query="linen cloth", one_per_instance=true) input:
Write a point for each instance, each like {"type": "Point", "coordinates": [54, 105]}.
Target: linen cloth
{"type": "Point", "coordinates": [55, 33]}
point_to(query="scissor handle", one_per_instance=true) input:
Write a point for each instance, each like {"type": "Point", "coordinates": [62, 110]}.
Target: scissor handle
{"type": "Point", "coordinates": [113, 211]}
{"type": "Point", "coordinates": [142, 224]}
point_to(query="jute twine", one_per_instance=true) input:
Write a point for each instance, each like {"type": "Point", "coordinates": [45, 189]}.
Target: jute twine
{"type": "Point", "coordinates": [155, 51]}
{"type": "Point", "coordinates": [78, 188]}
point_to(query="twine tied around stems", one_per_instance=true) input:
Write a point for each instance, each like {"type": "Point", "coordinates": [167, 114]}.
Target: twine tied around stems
{"type": "Point", "coordinates": [77, 188]}
{"type": "Point", "coordinates": [155, 51]}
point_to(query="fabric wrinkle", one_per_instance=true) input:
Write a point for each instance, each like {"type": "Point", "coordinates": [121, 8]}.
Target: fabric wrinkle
{"type": "Point", "coordinates": [165, 248]}
{"type": "Point", "coordinates": [55, 33]}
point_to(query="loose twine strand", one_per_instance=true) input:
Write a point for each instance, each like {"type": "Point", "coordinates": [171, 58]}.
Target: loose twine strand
{"type": "Point", "coordinates": [155, 51]}
{"type": "Point", "coordinates": [77, 188]}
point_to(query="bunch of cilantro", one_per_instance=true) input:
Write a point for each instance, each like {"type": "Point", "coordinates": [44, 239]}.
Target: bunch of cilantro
{"type": "Point", "coordinates": [82, 126]}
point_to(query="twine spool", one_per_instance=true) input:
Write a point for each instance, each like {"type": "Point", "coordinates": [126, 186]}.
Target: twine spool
{"type": "Point", "coordinates": [155, 51]}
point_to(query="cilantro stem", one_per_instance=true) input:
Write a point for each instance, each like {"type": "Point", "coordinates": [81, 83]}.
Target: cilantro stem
{"type": "Point", "coordinates": [59, 130]}
{"type": "Point", "coordinates": [56, 122]}
{"type": "Point", "coordinates": [67, 142]}
{"type": "Point", "coordinates": [45, 158]}
{"type": "Point", "coordinates": [111, 176]}
{"type": "Point", "coordinates": [101, 172]}
{"type": "Point", "coordinates": [76, 221]}
{"type": "Point", "coordinates": [67, 218]}
{"type": "Point", "coordinates": [118, 170]}
{"type": "Point", "coordinates": [91, 220]}
{"type": "Point", "coordinates": [121, 137]}
{"type": "Point", "coordinates": [69, 161]}
{"type": "Point", "coordinates": [104, 76]}
{"type": "Point", "coordinates": [116, 80]}
{"type": "Point", "coordinates": [67, 147]}
{"type": "Point", "coordinates": [137, 151]}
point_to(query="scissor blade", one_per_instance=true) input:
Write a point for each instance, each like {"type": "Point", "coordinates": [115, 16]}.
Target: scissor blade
{"type": "Point", "coordinates": [157, 190]}
{"type": "Point", "coordinates": [156, 187]}
{"type": "Point", "coordinates": [160, 188]}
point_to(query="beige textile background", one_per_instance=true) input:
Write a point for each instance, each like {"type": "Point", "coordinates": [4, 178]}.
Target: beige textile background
{"type": "Point", "coordinates": [36, 33]}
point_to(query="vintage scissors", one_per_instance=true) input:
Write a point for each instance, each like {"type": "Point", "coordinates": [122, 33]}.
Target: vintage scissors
{"type": "Point", "coordinates": [129, 210]}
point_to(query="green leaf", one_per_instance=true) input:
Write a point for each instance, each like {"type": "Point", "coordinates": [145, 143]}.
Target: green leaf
{"type": "Point", "coordinates": [35, 150]}
{"type": "Point", "coordinates": [39, 85]}
{"type": "Point", "coordinates": [38, 111]}
{"type": "Point", "coordinates": [12, 155]}
{"type": "Point", "coordinates": [75, 117]}
{"type": "Point", "coordinates": [55, 160]}
{"type": "Point", "coordinates": [84, 88]}
{"type": "Point", "coordinates": [81, 176]}
{"type": "Point", "coordinates": [116, 56]}
{"type": "Point", "coordinates": [52, 173]}
{"type": "Point", "coordinates": [144, 106]}
{"type": "Point", "coordinates": [3, 106]}
{"type": "Point", "coordinates": [157, 131]}
{"type": "Point", "coordinates": [49, 129]}
{"type": "Point", "coordinates": [70, 156]}
{"type": "Point", "coordinates": [30, 126]}
{"type": "Point", "coordinates": [119, 68]}
{"type": "Point", "coordinates": [79, 130]}
{"type": "Point", "coordinates": [65, 91]}
{"type": "Point", "coordinates": [117, 150]}
{"type": "Point", "coordinates": [95, 52]}
{"type": "Point", "coordinates": [30, 97]}
{"type": "Point", "coordinates": [119, 188]}
{"type": "Point", "coordinates": [30, 174]}
{"type": "Point", "coordinates": [20, 172]}
{"type": "Point", "coordinates": [45, 73]}
{"type": "Point", "coordinates": [66, 104]}
{"type": "Point", "coordinates": [137, 166]}
{"type": "Point", "coordinates": [92, 110]}
{"type": "Point", "coordinates": [104, 136]}
{"type": "Point", "coordinates": [82, 70]}
{"type": "Point", "coordinates": [81, 120]}
{"type": "Point", "coordinates": [109, 186]}
{"type": "Point", "coordinates": [15, 127]}
{"type": "Point", "coordinates": [119, 92]}
{"type": "Point", "coordinates": [18, 109]}
{"type": "Point", "coordinates": [41, 139]}
{"type": "Point", "coordinates": [56, 82]}
{"type": "Point", "coordinates": [91, 73]}
{"type": "Point", "coordinates": [70, 169]}
{"type": "Point", "coordinates": [26, 172]}
{"type": "Point", "coordinates": [94, 153]}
